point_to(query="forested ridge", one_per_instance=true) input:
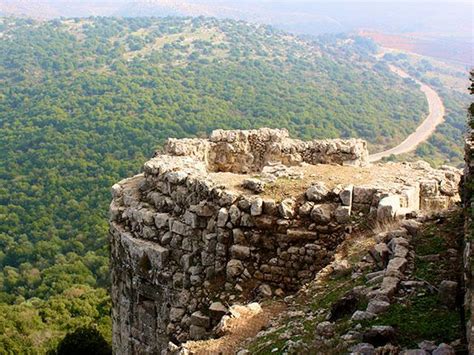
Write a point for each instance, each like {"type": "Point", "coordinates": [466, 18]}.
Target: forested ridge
{"type": "Point", "coordinates": [83, 103]}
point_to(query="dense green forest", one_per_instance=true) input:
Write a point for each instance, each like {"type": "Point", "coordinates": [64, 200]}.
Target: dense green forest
{"type": "Point", "coordinates": [83, 103]}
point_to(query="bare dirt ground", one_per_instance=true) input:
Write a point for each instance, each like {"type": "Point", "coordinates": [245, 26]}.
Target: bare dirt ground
{"type": "Point", "coordinates": [238, 330]}
{"type": "Point", "coordinates": [425, 129]}
{"type": "Point", "coordinates": [387, 174]}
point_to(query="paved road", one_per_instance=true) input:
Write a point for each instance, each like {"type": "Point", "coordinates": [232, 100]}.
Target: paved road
{"type": "Point", "coordinates": [425, 129]}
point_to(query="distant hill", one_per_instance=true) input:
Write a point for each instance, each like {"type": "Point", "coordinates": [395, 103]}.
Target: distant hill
{"type": "Point", "coordinates": [440, 31]}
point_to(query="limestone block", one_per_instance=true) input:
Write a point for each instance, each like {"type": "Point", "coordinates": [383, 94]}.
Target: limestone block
{"type": "Point", "coordinates": [377, 306]}
{"type": "Point", "coordinates": [207, 259]}
{"type": "Point", "coordinates": [346, 195]}
{"type": "Point", "coordinates": [388, 207]}
{"type": "Point", "coordinates": [234, 215]}
{"type": "Point", "coordinates": [434, 203]}
{"type": "Point", "coordinates": [400, 251]}
{"type": "Point", "coordinates": [396, 265]}
{"type": "Point", "coordinates": [180, 228]}
{"type": "Point", "coordinates": [410, 197]}
{"type": "Point", "coordinates": [238, 236]}
{"type": "Point", "coordinates": [197, 333]}
{"type": "Point", "coordinates": [321, 213]}
{"type": "Point", "coordinates": [317, 192]}
{"type": "Point", "coordinates": [191, 219]}
{"type": "Point", "coordinates": [240, 252]}
{"type": "Point", "coordinates": [363, 195]}
{"type": "Point", "coordinates": [389, 285]}
{"type": "Point", "coordinates": [162, 220]}
{"type": "Point", "coordinates": [362, 315]}
{"type": "Point", "coordinates": [149, 232]}
{"type": "Point", "coordinates": [158, 256]}
{"type": "Point", "coordinates": [217, 310]}
{"type": "Point", "coordinates": [246, 220]}
{"type": "Point", "coordinates": [176, 314]}
{"type": "Point", "coordinates": [234, 268]}
{"type": "Point", "coordinates": [287, 208]}
{"type": "Point", "coordinates": [343, 214]}
{"type": "Point", "coordinates": [222, 217]}
{"type": "Point", "coordinates": [227, 198]}
{"type": "Point", "coordinates": [256, 207]}
{"type": "Point", "coordinates": [255, 185]}
{"type": "Point", "coordinates": [428, 188]}
{"type": "Point", "coordinates": [203, 209]}
{"type": "Point", "coordinates": [305, 208]}
{"type": "Point", "coordinates": [270, 207]}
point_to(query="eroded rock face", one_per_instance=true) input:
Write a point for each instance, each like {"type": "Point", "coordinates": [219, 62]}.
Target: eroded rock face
{"type": "Point", "coordinates": [180, 241]}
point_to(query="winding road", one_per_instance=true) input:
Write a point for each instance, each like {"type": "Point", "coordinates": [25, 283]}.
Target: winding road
{"type": "Point", "coordinates": [425, 129]}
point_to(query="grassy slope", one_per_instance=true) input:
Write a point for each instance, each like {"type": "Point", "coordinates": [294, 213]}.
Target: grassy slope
{"type": "Point", "coordinates": [417, 317]}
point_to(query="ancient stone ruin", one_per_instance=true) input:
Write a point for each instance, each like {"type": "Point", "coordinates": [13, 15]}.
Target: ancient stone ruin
{"type": "Point", "coordinates": [241, 215]}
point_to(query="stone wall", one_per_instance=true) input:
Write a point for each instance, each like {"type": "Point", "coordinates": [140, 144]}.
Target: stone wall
{"type": "Point", "coordinates": [249, 151]}
{"type": "Point", "coordinates": [183, 245]}
{"type": "Point", "coordinates": [468, 202]}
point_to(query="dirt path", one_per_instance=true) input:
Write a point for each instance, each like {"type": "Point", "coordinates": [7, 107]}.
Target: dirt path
{"type": "Point", "coordinates": [425, 129]}
{"type": "Point", "coordinates": [238, 330]}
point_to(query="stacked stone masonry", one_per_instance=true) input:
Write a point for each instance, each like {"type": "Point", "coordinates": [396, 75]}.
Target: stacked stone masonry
{"type": "Point", "coordinates": [180, 242]}
{"type": "Point", "coordinates": [468, 203]}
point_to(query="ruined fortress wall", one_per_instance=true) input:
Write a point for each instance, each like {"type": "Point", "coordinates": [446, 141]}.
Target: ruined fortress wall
{"type": "Point", "coordinates": [468, 202]}
{"type": "Point", "coordinates": [249, 151]}
{"type": "Point", "coordinates": [180, 241]}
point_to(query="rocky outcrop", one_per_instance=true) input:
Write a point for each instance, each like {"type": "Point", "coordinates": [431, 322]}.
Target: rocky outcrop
{"type": "Point", "coordinates": [182, 241]}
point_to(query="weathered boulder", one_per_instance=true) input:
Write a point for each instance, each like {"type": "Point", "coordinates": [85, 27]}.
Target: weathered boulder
{"type": "Point", "coordinates": [256, 208]}
{"type": "Point", "coordinates": [197, 332]}
{"type": "Point", "coordinates": [321, 213]}
{"type": "Point", "coordinates": [200, 319]}
{"type": "Point", "coordinates": [377, 306]}
{"type": "Point", "coordinates": [326, 329]}
{"type": "Point", "coordinates": [379, 335]}
{"type": "Point", "coordinates": [240, 252]}
{"type": "Point", "coordinates": [346, 195]}
{"type": "Point", "coordinates": [448, 292]}
{"type": "Point", "coordinates": [234, 268]}
{"type": "Point", "coordinates": [343, 214]}
{"type": "Point", "coordinates": [255, 185]}
{"type": "Point", "coordinates": [443, 349]}
{"type": "Point", "coordinates": [362, 349]}
{"type": "Point", "coordinates": [317, 192]}
{"type": "Point", "coordinates": [362, 315]}
{"type": "Point", "coordinates": [287, 208]}
{"type": "Point", "coordinates": [217, 310]}
{"type": "Point", "coordinates": [265, 290]}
